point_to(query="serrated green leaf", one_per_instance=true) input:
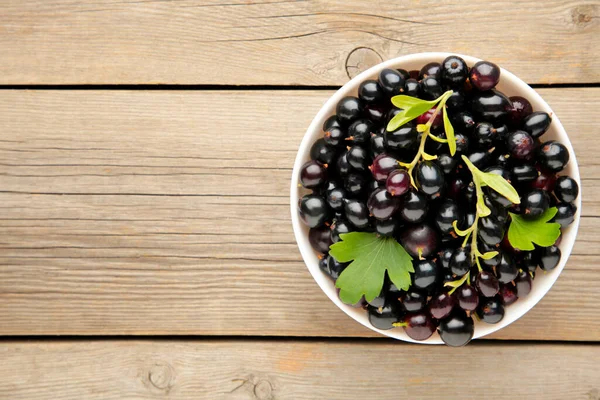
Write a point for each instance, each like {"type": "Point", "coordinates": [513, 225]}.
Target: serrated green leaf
{"type": "Point", "coordinates": [371, 257]}
{"type": "Point", "coordinates": [489, 255]}
{"type": "Point", "coordinates": [523, 233]}
{"type": "Point", "coordinates": [500, 185]}
{"type": "Point", "coordinates": [404, 102]}
{"type": "Point", "coordinates": [449, 133]}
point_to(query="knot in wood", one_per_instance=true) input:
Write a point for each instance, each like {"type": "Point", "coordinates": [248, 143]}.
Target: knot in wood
{"type": "Point", "coordinates": [361, 59]}
{"type": "Point", "coordinates": [161, 375]}
{"type": "Point", "coordinates": [263, 390]}
{"type": "Point", "coordinates": [582, 15]}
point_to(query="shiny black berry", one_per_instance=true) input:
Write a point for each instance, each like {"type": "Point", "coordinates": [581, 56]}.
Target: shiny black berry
{"type": "Point", "coordinates": [391, 81]}
{"type": "Point", "coordinates": [566, 189]}
{"type": "Point", "coordinates": [534, 203]}
{"type": "Point", "coordinates": [349, 109]}
{"type": "Point", "coordinates": [370, 91]}
{"type": "Point", "coordinates": [454, 71]}
{"type": "Point", "coordinates": [313, 210]}
{"type": "Point", "coordinates": [537, 123]}
{"type": "Point", "coordinates": [553, 156]}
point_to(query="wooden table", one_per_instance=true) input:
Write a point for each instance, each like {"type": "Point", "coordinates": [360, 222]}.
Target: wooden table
{"type": "Point", "coordinates": [146, 249]}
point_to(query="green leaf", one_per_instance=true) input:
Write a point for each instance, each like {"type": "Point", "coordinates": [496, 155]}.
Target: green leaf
{"type": "Point", "coordinates": [489, 255]}
{"type": "Point", "coordinates": [496, 182]}
{"type": "Point", "coordinates": [371, 256]}
{"type": "Point", "coordinates": [523, 233]}
{"type": "Point", "coordinates": [449, 133]}
{"type": "Point", "coordinates": [407, 115]}
{"type": "Point", "coordinates": [404, 102]}
{"type": "Point", "coordinates": [456, 284]}
{"type": "Point", "coordinates": [398, 120]}
{"type": "Point", "coordinates": [482, 209]}
{"type": "Point", "coordinates": [428, 157]}
{"type": "Point", "coordinates": [500, 185]}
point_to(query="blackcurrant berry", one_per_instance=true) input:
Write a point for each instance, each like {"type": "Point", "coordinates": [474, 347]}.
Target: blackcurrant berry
{"type": "Point", "coordinates": [382, 166]}
{"type": "Point", "coordinates": [549, 257]}
{"type": "Point", "coordinates": [521, 108]}
{"type": "Point", "coordinates": [411, 88]}
{"type": "Point", "coordinates": [357, 213]}
{"type": "Point", "coordinates": [313, 210]}
{"type": "Point", "coordinates": [433, 69]}
{"type": "Point", "coordinates": [553, 156]}
{"type": "Point", "coordinates": [419, 240]}
{"type": "Point", "coordinates": [322, 152]}
{"type": "Point", "coordinates": [370, 91]}
{"type": "Point", "coordinates": [429, 178]}
{"type": "Point", "coordinates": [565, 214]}
{"type": "Point", "coordinates": [523, 283]}
{"type": "Point", "coordinates": [413, 300]}
{"type": "Point", "coordinates": [426, 275]}
{"type": "Point", "coordinates": [338, 227]}
{"type": "Point", "coordinates": [460, 263]}
{"type": "Point", "coordinates": [414, 207]}
{"type": "Point", "coordinates": [534, 203]}
{"type": "Point", "coordinates": [391, 81]}
{"type": "Point", "coordinates": [382, 205]}
{"type": "Point", "coordinates": [402, 138]}
{"type": "Point", "coordinates": [441, 305]}
{"type": "Point", "coordinates": [484, 75]}
{"type": "Point", "coordinates": [431, 88]}
{"type": "Point", "coordinates": [454, 71]}
{"type": "Point", "coordinates": [467, 297]}
{"type": "Point", "coordinates": [320, 238]}
{"type": "Point", "coordinates": [419, 326]}
{"type": "Point", "coordinates": [312, 174]}
{"type": "Point", "coordinates": [523, 173]}
{"type": "Point", "coordinates": [355, 184]}
{"type": "Point", "coordinates": [506, 270]}
{"type": "Point", "coordinates": [491, 310]}
{"type": "Point", "coordinates": [387, 227]}
{"type": "Point", "coordinates": [447, 213]}
{"type": "Point", "coordinates": [491, 106]}
{"type": "Point", "coordinates": [360, 131]}
{"type": "Point", "coordinates": [348, 110]}
{"type": "Point", "coordinates": [487, 284]}
{"type": "Point", "coordinates": [520, 144]}
{"type": "Point", "coordinates": [566, 189]}
{"type": "Point", "coordinates": [383, 317]}
{"type": "Point", "coordinates": [457, 329]}
{"type": "Point", "coordinates": [537, 123]}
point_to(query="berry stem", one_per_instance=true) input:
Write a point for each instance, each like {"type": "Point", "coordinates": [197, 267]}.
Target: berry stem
{"type": "Point", "coordinates": [471, 232]}
{"type": "Point", "coordinates": [426, 132]}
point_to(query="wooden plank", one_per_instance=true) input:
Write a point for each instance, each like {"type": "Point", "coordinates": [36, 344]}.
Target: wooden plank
{"type": "Point", "coordinates": [110, 218]}
{"type": "Point", "coordinates": [286, 42]}
{"type": "Point", "coordinates": [261, 370]}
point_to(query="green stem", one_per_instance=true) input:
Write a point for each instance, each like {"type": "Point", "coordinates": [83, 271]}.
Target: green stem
{"type": "Point", "coordinates": [425, 134]}
{"type": "Point", "coordinates": [481, 210]}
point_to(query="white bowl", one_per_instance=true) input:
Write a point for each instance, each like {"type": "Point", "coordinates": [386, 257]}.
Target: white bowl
{"type": "Point", "coordinates": [509, 85]}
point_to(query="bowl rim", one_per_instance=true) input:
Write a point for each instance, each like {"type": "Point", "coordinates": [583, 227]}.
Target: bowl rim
{"type": "Point", "coordinates": [309, 255]}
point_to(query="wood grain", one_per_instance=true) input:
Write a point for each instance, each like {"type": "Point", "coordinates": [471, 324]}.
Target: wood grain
{"type": "Point", "coordinates": [258, 370]}
{"type": "Point", "coordinates": [286, 42]}
{"type": "Point", "coordinates": [167, 213]}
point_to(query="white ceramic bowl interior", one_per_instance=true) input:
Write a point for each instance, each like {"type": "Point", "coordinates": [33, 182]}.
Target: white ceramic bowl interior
{"type": "Point", "coordinates": [509, 85]}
